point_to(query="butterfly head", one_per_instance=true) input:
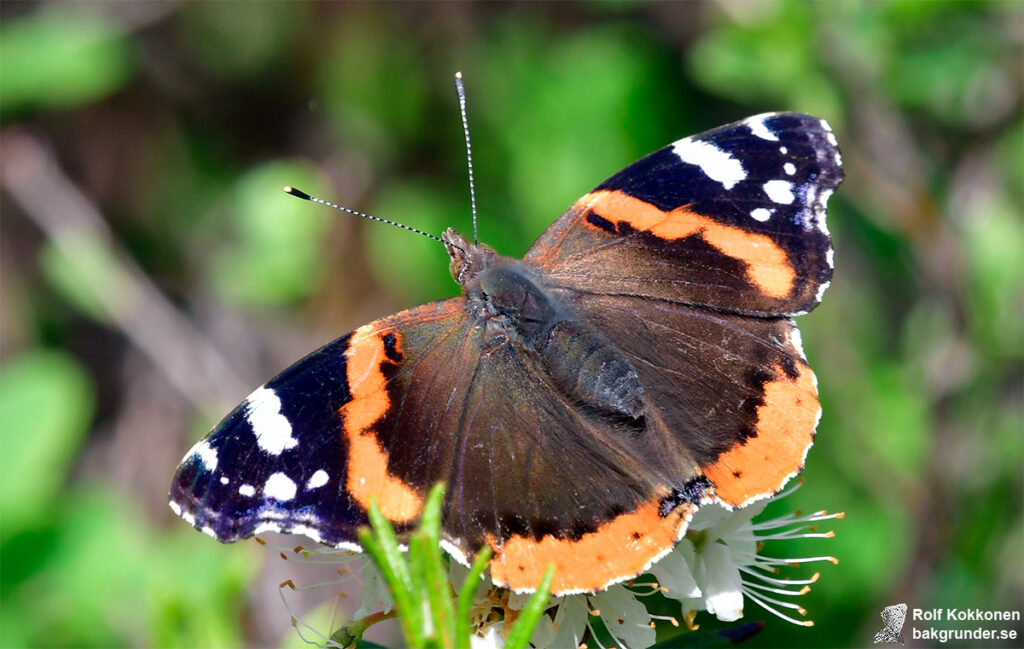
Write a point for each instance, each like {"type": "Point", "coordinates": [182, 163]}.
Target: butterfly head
{"type": "Point", "coordinates": [468, 259]}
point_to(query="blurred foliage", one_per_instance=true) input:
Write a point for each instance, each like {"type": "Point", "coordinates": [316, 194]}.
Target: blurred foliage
{"type": "Point", "coordinates": [181, 122]}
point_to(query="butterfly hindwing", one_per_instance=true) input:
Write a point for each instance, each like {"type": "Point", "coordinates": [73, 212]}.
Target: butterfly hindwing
{"type": "Point", "coordinates": [731, 394]}
{"type": "Point", "coordinates": [732, 219]}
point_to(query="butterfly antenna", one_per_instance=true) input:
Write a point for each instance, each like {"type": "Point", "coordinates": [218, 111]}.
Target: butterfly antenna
{"type": "Point", "coordinates": [301, 194]}
{"type": "Point", "coordinates": [461, 90]}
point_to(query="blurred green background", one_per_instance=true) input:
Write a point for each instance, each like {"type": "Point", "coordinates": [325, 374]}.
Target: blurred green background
{"type": "Point", "coordinates": [153, 273]}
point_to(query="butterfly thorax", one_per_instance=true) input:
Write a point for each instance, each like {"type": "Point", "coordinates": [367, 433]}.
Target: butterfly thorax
{"type": "Point", "coordinates": [513, 306]}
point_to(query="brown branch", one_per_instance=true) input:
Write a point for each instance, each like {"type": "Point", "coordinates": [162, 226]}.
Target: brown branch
{"type": "Point", "coordinates": [129, 299]}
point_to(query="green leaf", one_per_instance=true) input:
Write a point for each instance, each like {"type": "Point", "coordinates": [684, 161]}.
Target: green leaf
{"type": "Point", "coordinates": [276, 252]}
{"type": "Point", "coordinates": [414, 266]}
{"type": "Point", "coordinates": [46, 404]}
{"type": "Point", "coordinates": [519, 636]}
{"type": "Point", "coordinates": [435, 579]}
{"type": "Point", "coordinates": [465, 598]}
{"type": "Point", "coordinates": [241, 44]}
{"type": "Point", "coordinates": [61, 57]}
{"type": "Point", "coordinates": [382, 546]}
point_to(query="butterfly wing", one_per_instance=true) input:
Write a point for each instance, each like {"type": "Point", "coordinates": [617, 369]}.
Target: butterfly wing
{"type": "Point", "coordinates": [731, 395]}
{"type": "Point", "coordinates": [299, 454]}
{"type": "Point", "coordinates": [688, 261]}
{"type": "Point", "coordinates": [732, 219]}
{"type": "Point", "coordinates": [416, 398]}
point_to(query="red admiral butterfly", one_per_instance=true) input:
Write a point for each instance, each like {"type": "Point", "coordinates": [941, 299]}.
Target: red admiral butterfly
{"type": "Point", "coordinates": [580, 403]}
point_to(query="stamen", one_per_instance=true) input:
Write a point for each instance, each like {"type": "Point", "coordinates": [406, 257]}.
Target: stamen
{"type": "Point", "coordinates": [593, 634]}
{"type": "Point", "coordinates": [301, 624]}
{"type": "Point", "coordinates": [773, 580]}
{"type": "Point", "coordinates": [778, 613]}
{"type": "Point", "coordinates": [780, 591]}
{"type": "Point", "coordinates": [790, 605]}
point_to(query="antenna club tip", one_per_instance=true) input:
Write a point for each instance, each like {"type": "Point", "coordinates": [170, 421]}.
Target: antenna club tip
{"type": "Point", "coordinates": [458, 75]}
{"type": "Point", "coordinates": [296, 192]}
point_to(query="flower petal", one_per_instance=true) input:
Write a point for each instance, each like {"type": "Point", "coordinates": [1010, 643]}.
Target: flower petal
{"type": "Point", "coordinates": [674, 574]}
{"type": "Point", "coordinates": [570, 621]}
{"type": "Point", "coordinates": [723, 587]}
{"type": "Point", "coordinates": [374, 592]}
{"type": "Point", "coordinates": [493, 638]}
{"type": "Point", "coordinates": [625, 617]}
{"type": "Point", "coordinates": [543, 633]}
{"type": "Point", "coordinates": [708, 516]}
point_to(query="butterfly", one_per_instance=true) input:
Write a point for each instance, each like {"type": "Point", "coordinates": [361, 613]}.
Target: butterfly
{"type": "Point", "coordinates": [892, 623]}
{"type": "Point", "coordinates": [580, 403]}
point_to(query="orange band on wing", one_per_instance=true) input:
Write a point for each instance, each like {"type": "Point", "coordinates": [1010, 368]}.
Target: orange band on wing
{"type": "Point", "coordinates": [767, 264]}
{"type": "Point", "coordinates": [621, 548]}
{"type": "Point", "coordinates": [785, 430]}
{"type": "Point", "coordinates": [367, 461]}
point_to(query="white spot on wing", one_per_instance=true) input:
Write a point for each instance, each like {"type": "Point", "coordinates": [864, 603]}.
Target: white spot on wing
{"type": "Point", "coordinates": [272, 429]}
{"type": "Point", "coordinates": [789, 168]}
{"type": "Point", "coordinates": [207, 455]}
{"type": "Point", "coordinates": [247, 490]}
{"type": "Point", "coordinates": [175, 507]}
{"type": "Point", "coordinates": [821, 291]}
{"type": "Point", "coordinates": [311, 532]}
{"type": "Point", "coordinates": [797, 341]}
{"type": "Point", "coordinates": [760, 129]}
{"type": "Point", "coordinates": [455, 551]}
{"type": "Point", "coordinates": [821, 201]}
{"type": "Point", "coordinates": [318, 479]}
{"type": "Point", "coordinates": [208, 531]}
{"type": "Point", "coordinates": [780, 191]}
{"type": "Point", "coordinates": [224, 479]}
{"type": "Point", "coordinates": [715, 163]}
{"type": "Point", "coordinates": [830, 258]}
{"type": "Point", "coordinates": [783, 150]}
{"type": "Point", "coordinates": [279, 487]}
{"type": "Point", "coordinates": [761, 214]}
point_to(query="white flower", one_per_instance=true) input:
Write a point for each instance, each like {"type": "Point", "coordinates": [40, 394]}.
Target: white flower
{"type": "Point", "coordinates": [728, 566]}
{"type": "Point", "coordinates": [717, 567]}
{"type": "Point", "coordinates": [493, 637]}
{"type": "Point", "coordinates": [624, 616]}
{"type": "Point", "coordinates": [375, 595]}
{"type": "Point", "coordinates": [571, 621]}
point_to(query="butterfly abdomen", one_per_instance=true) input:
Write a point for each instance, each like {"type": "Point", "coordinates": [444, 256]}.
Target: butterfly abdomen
{"type": "Point", "coordinates": [586, 366]}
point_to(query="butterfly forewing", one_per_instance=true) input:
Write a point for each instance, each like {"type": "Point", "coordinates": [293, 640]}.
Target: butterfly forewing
{"type": "Point", "coordinates": [732, 219]}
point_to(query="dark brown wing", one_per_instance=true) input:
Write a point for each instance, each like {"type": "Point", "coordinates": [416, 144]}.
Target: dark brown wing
{"type": "Point", "coordinates": [529, 473]}
{"type": "Point", "coordinates": [733, 393]}
{"type": "Point", "coordinates": [416, 398]}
